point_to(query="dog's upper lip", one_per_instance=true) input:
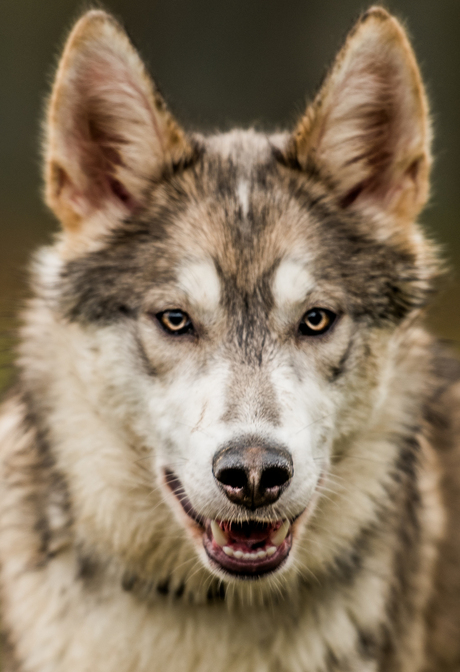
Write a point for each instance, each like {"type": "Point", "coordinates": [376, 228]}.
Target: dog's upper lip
{"type": "Point", "coordinates": [177, 489]}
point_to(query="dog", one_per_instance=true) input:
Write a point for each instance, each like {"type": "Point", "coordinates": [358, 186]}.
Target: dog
{"type": "Point", "coordinates": [232, 444]}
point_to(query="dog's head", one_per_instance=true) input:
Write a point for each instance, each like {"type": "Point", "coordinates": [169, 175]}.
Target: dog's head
{"type": "Point", "coordinates": [231, 306]}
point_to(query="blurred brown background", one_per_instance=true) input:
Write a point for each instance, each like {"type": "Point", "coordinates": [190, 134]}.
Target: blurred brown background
{"type": "Point", "coordinates": [219, 63]}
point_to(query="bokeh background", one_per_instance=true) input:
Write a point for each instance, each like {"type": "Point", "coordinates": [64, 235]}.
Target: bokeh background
{"type": "Point", "coordinates": [219, 63]}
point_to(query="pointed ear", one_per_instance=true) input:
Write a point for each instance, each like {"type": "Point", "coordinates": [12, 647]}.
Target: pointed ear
{"type": "Point", "coordinates": [108, 133]}
{"type": "Point", "coordinates": [368, 131]}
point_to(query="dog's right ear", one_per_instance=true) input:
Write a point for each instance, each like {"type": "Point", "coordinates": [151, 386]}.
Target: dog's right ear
{"type": "Point", "coordinates": [108, 133]}
{"type": "Point", "coordinates": [368, 131]}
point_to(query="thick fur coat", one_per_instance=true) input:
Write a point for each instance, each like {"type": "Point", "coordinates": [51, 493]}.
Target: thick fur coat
{"type": "Point", "coordinates": [232, 445]}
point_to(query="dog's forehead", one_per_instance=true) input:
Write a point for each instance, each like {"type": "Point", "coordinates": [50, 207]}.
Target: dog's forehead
{"type": "Point", "coordinates": [244, 223]}
{"type": "Point", "coordinates": [244, 148]}
{"type": "Point", "coordinates": [287, 283]}
{"type": "Point", "coordinates": [238, 229]}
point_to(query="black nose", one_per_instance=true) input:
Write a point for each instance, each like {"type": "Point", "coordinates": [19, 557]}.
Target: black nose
{"type": "Point", "coordinates": [253, 473]}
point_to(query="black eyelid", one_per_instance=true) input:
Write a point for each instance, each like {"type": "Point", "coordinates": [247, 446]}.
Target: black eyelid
{"type": "Point", "coordinates": [186, 329]}
{"type": "Point", "coordinates": [305, 330]}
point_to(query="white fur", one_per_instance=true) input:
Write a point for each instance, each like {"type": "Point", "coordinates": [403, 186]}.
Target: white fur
{"type": "Point", "coordinates": [243, 196]}
{"type": "Point", "coordinates": [199, 280]}
{"type": "Point", "coordinates": [292, 283]}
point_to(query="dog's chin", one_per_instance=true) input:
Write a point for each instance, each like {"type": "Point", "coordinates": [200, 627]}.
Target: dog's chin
{"type": "Point", "coordinates": [243, 550]}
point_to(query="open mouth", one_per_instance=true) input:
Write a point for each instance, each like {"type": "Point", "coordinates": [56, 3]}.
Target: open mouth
{"type": "Point", "coordinates": [247, 549]}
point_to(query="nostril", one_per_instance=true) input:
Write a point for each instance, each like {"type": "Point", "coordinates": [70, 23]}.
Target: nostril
{"type": "Point", "coordinates": [252, 473]}
{"type": "Point", "coordinates": [233, 477]}
{"type": "Point", "coordinates": [274, 477]}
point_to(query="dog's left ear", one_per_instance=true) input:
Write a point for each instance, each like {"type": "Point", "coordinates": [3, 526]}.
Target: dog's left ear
{"type": "Point", "coordinates": [368, 131]}
{"type": "Point", "coordinates": [108, 133]}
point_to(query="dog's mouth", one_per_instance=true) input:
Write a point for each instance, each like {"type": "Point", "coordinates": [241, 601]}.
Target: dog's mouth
{"type": "Point", "coordinates": [248, 549]}
{"type": "Point", "coordinates": [245, 549]}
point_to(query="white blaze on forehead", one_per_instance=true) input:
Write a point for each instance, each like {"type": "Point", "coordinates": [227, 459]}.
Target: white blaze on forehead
{"type": "Point", "coordinates": [199, 280]}
{"type": "Point", "coordinates": [292, 282]}
{"type": "Point", "coordinates": [243, 195]}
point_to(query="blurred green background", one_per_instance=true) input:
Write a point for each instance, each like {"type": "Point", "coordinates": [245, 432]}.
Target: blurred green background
{"type": "Point", "coordinates": [219, 63]}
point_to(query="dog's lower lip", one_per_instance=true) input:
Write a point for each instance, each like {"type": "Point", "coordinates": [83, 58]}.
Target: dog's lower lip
{"type": "Point", "coordinates": [248, 549]}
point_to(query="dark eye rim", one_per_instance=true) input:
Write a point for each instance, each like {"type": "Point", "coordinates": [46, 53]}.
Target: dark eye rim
{"type": "Point", "coordinates": [188, 328]}
{"type": "Point", "coordinates": [306, 332]}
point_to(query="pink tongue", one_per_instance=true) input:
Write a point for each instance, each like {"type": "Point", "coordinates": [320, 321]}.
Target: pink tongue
{"type": "Point", "coordinates": [249, 534]}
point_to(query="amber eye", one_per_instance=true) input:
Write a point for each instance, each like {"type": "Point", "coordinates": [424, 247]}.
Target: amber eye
{"type": "Point", "coordinates": [175, 322]}
{"type": "Point", "coordinates": [316, 321]}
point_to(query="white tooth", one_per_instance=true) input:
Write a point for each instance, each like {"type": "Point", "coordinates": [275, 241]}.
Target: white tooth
{"type": "Point", "coordinates": [238, 554]}
{"type": "Point", "coordinates": [248, 556]}
{"type": "Point", "coordinates": [281, 534]}
{"type": "Point", "coordinates": [261, 554]}
{"type": "Point", "coordinates": [218, 533]}
{"type": "Point", "coordinates": [271, 550]}
{"type": "Point", "coordinates": [227, 550]}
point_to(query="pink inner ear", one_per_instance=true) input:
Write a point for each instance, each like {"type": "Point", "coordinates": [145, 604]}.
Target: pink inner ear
{"type": "Point", "coordinates": [352, 195]}
{"type": "Point", "coordinates": [106, 145]}
{"type": "Point", "coordinates": [99, 157]}
{"type": "Point", "coordinates": [102, 113]}
{"type": "Point", "coordinates": [119, 191]}
{"type": "Point", "coordinates": [414, 169]}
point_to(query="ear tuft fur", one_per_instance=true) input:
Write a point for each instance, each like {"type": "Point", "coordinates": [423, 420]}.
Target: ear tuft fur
{"type": "Point", "coordinates": [368, 130]}
{"type": "Point", "coordinates": [375, 12]}
{"type": "Point", "coordinates": [108, 132]}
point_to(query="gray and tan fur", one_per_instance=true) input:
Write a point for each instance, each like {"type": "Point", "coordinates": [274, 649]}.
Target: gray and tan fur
{"type": "Point", "coordinates": [101, 568]}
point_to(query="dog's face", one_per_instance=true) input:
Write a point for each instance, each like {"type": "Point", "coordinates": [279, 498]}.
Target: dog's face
{"type": "Point", "coordinates": [237, 296]}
